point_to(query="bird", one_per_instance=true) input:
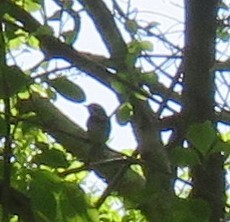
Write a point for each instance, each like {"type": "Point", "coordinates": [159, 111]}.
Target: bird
{"type": "Point", "coordinates": [99, 128]}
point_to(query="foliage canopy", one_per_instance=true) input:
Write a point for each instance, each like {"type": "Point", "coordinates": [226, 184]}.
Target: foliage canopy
{"type": "Point", "coordinates": [45, 172]}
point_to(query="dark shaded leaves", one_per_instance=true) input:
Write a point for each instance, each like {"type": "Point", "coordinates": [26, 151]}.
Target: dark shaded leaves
{"type": "Point", "coordinates": [12, 81]}
{"type": "Point", "coordinates": [184, 157]}
{"type": "Point", "coordinates": [51, 157]}
{"type": "Point", "coordinates": [202, 136]}
{"type": "Point", "coordinates": [68, 89]}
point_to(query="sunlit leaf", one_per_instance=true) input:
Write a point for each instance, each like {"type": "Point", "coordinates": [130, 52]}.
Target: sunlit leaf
{"type": "Point", "coordinates": [134, 50]}
{"type": "Point", "coordinates": [120, 87]}
{"type": "Point", "coordinates": [19, 39]}
{"type": "Point", "coordinates": [124, 113]}
{"type": "Point", "coordinates": [24, 95]}
{"type": "Point", "coordinates": [32, 6]}
{"type": "Point", "coordinates": [134, 47]}
{"type": "Point", "coordinates": [146, 46]}
{"type": "Point", "coordinates": [141, 95]}
{"type": "Point", "coordinates": [33, 42]}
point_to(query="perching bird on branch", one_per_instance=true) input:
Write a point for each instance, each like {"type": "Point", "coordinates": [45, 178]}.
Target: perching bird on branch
{"type": "Point", "coordinates": [98, 132]}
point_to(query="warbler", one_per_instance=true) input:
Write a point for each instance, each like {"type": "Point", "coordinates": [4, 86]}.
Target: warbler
{"type": "Point", "coordinates": [99, 128]}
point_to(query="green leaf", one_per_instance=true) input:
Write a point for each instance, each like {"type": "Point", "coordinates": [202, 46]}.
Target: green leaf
{"type": "Point", "coordinates": [131, 26]}
{"type": "Point", "coordinates": [33, 42]}
{"type": "Point", "coordinates": [73, 204]}
{"type": "Point", "coordinates": [148, 78]}
{"type": "Point", "coordinates": [133, 215]}
{"type": "Point", "coordinates": [12, 81]}
{"type": "Point", "coordinates": [31, 6]}
{"type": "Point", "coordinates": [184, 157]}
{"type": "Point", "coordinates": [142, 95]}
{"type": "Point", "coordinates": [130, 59]}
{"type": "Point", "coordinates": [202, 136]}
{"type": "Point", "coordinates": [222, 146]}
{"type": "Point", "coordinates": [10, 32]}
{"type": "Point", "coordinates": [58, 200]}
{"type": "Point", "coordinates": [200, 210]}
{"type": "Point", "coordinates": [3, 127]}
{"type": "Point", "coordinates": [56, 16]}
{"type": "Point", "coordinates": [44, 185]}
{"type": "Point", "coordinates": [124, 113]}
{"type": "Point", "coordinates": [133, 53]}
{"type": "Point", "coordinates": [68, 89]}
{"type": "Point", "coordinates": [44, 30]}
{"type": "Point", "coordinates": [146, 46]}
{"type": "Point", "coordinates": [42, 146]}
{"type": "Point", "coordinates": [51, 157]}
{"type": "Point", "coordinates": [70, 37]}
{"type": "Point", "coordinates": [126, 76]}
{"type": "Point", "coordinates": [121, 88]}
{"type": "Point", "coordinates": [134, 47]}
{"type": "Point", "coordinates": [20, 37]}
{"type": "Point", "coordinates": [68, 4]}
{"type": "Point", "coordinates": [189, 211]}
{"type": "Point", "coordinates": [223, 34]}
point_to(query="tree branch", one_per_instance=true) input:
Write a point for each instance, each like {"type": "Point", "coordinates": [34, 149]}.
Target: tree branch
{"type": "Point", "coordinates": [107, 28]}
{"type": "Point", "coordinates": [74, 139]}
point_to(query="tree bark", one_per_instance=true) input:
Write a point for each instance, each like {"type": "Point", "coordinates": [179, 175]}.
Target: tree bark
{"type": "Point", "coordinates": [199, 56]}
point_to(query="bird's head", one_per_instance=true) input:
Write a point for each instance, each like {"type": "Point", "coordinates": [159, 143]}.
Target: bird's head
{"type": "Point", "coordinates": [95, 109]}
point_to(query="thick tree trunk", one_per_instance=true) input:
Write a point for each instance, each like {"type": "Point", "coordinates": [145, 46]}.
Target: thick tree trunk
{"type": "Point", "coordinates": [208, 177]}
{"type": "Point", "coordinates": [198, 59]}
